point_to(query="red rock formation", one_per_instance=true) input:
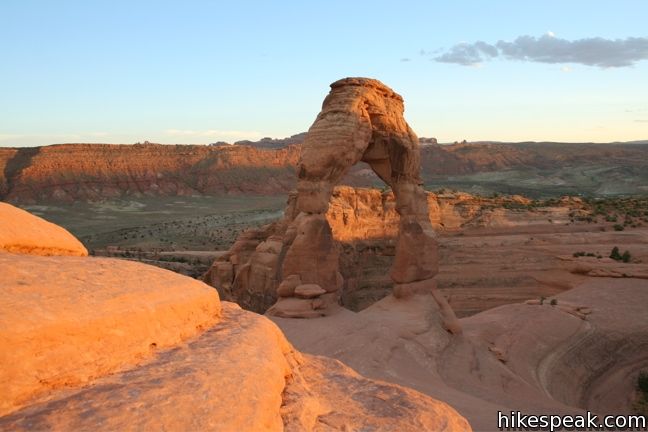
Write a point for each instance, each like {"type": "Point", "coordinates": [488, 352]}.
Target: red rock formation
{"type": "Point", "coordinates": [22, 232]}
{"type": "Point", "coordinates": [105, 344]}
{"type": "Point", "coordinates": [365, 222]}
{"type": "Point", "coordinates": [361, 119]}
{"type": "Point", "coordinates": [67, 320]}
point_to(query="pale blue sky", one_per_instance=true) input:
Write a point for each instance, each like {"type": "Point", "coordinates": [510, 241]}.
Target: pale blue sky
{"type": "Point", "coordinates": [203, 71]}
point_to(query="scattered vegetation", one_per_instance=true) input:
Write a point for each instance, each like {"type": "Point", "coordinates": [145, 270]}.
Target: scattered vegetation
{"type": "Point", "coordinates": [553, 302]}
{"type": "Point", "coordinates": [587, 254]}
{"type": "Point", "coordinates": [642, 382]}
{"type": "Point", "coordinates": [177, 259]}
{"type": "Point", "coordinates": [641, 403]}
{"type": "Point", "coordinates": [623, 211]}
{"type": "Point", "coordinates": [616, 255]}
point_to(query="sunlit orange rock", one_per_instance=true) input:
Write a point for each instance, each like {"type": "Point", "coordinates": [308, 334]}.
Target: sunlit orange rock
{"type": "Point", "coordinates": [102, 344]}
{"type": "Point", "coordinates": [25, 233]}
{"type": "Point", "coordinates": [65, 321]}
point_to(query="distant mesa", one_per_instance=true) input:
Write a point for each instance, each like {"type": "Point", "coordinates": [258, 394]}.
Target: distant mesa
{"type": "Point", "coordinates": [94, 172]}
{"type": "Point", "coordinates": [273, 143]}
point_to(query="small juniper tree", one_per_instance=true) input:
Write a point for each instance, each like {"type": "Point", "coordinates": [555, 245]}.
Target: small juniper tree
{"type": "Point", "coordinates": [626, 257]}
{"type": "Point", "coordinates": [642, 382]}
{"type": "Point", "coordinates": [615, 255]}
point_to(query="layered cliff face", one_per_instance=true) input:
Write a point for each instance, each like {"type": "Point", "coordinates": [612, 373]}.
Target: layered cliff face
{"type": "Point", "coordinates": [96, 171]}
{"type": "Point", "coordinates": [370, 214]}
{"type": "Point", "coordinates": [71, 172]}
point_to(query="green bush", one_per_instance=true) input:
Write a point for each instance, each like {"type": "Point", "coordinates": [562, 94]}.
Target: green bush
{"type": "Point", "coordinates": [642, 382]}
{"type": "Point", "coordinates": [618, 227]}
{"type": "Point", "coordinates": [581, 253]}
{"type": "Point", "coordinates": [626, 257]}
{"type": "Point", "coordinates": [617, 256]}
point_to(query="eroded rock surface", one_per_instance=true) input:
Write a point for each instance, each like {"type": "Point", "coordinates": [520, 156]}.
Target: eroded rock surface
{"type": "Point", "coordinates": [23, 232]}
{"type": "Point", "coordinates": [95, 344]}
{"type": "Point", "coordinates": [361, 120]}
{"type": "Point", "coordinates": [239, 375]}
{"type": "Point", "coordinates": [65, 321]}
{"type": "Point", "coordinates": [529, 357]}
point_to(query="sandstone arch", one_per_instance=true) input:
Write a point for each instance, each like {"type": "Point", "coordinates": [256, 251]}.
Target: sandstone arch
{"type": "Point", "coordinates": [361, 120]}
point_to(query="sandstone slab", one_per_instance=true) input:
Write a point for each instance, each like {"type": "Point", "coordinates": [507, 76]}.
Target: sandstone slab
{"type": "Point", "coordinates": [65, 321]}
{"type": "Point", "coordinates": [239, 375]}
{"type": "Point", "coordinates": [25, 233]}
{"type": "Point", "coordinates": [309, 291]}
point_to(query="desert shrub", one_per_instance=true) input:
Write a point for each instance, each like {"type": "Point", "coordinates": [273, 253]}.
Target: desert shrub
{"type": "Point", "coordinates": [553, 302]}
{"type": "Point", "coordinates": [642, 382]}
{"type": "Point", "coordinates": [610, 218]}
{"type": "Point", "coordinates": [582, 253]}
{"type": "Point", "coordinates": [626, 257]}
{"type": "Point", "coordinates": [618, 227]}
{"type": "Point", "coordinates": [616, 255]}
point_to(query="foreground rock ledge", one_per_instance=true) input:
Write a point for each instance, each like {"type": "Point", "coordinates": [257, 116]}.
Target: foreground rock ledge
{"type": "Point", "coordinates": [90, 344]}
{"type": "Point", "coordinates": [67, 320]}
{"type": "Point", "coordinates": [22, 232]}
{"type": "Point", "coordinates": [239, 375]}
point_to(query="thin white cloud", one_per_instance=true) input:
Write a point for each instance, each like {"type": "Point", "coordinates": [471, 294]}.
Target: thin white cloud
{"type": "Point", "coordinates": [10, 136]}
{"type": "Point", "coordinates": [566, 69]}
{"type": "Point", "coordinates": [604, 53]}
{"type": "Point", "coordinates": [213, 133]}
{"type": "Point", "coordinates": [14, 136]}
